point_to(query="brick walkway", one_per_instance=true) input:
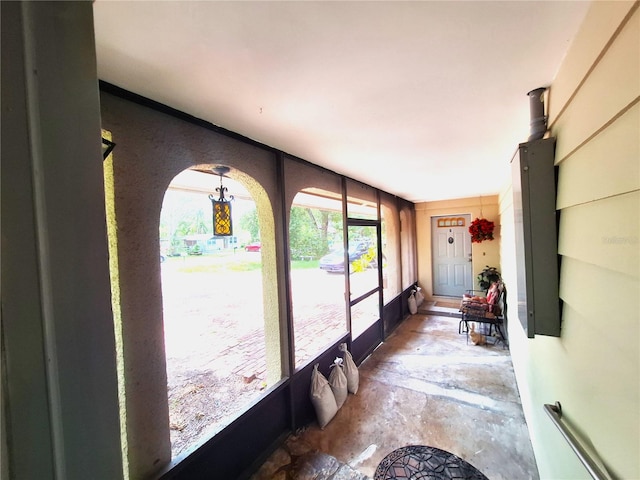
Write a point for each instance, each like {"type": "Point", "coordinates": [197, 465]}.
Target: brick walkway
{"type": "Point", "coordinates": [206, 326]}
{"type": "Point", "coordinates": [315, 331]}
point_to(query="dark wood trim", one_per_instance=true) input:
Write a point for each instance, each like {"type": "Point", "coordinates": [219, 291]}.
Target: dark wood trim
{"type": "Point", "coordinates": [392, 315]}
{"type": "Point", "coordinates": [160, 107]}
{"type": "Point", "coordinates": [366, 342]}
{"type": "Point", "coordinates": [229, 453]}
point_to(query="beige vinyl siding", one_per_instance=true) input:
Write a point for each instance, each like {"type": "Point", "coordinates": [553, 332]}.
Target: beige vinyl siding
{"type": "Point", "coordinates": [613, 321]}
{"type": "Point", "coordinates": [588, 175]}
{"type": "Point", "coordinates": [603, 233]}
{"type": "Point", "coordinates": [611, 87]}
{"type": "Point", "coordinates": [596, 32]}
{"type": "Point", "coordinates": [593, 369]}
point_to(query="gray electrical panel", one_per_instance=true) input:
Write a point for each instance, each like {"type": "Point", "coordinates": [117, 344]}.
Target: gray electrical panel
{"type": "Point", "coordinates": [536, 226]}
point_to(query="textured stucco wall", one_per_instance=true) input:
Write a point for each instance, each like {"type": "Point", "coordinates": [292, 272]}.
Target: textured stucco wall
{"type": "Point", "coordinates": [152, 148]}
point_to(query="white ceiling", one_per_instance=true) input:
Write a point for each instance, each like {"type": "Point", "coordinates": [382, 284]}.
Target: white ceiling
{"type": "Point", "coordinates": [426, 100]}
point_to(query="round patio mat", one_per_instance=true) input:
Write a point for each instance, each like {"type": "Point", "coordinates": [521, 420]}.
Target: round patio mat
{"type": "Point", "coordinates": [417, 462]}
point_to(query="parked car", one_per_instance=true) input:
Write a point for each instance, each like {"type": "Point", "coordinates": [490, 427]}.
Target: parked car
{"type": "Point", "coordinates": [253, 247]}
{"type": "Point", "coordinates": [334, 261]}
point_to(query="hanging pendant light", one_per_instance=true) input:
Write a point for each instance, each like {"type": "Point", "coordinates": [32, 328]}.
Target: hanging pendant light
{"type": "Point", "coordinates": [222, 224]}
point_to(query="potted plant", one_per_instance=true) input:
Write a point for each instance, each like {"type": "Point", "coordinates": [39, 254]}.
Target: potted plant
{"type": "Point", "coordinates": [488, 276]}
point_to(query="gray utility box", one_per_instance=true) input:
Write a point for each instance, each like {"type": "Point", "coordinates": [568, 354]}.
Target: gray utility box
{"type": "Point", "coordinates": [536, 227]}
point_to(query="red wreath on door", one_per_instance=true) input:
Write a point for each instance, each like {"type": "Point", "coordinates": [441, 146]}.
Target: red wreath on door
{"type": "Point", "coordinates": [481, 229]}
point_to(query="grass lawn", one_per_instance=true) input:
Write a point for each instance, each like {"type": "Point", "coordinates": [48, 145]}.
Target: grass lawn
{"type": "Point", "coordinates": [228, 260]}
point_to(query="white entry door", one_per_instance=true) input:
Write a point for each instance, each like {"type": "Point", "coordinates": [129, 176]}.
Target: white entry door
{"type": "Point", "coordinates": [451, 253]}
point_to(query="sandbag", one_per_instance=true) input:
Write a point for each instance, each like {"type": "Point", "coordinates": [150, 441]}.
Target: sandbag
{"type": "Point", "coordinates": [350, 370]}
{"type": "Point", "coordinates": [419, 296]}
{"type": "Point", "coordinates": [338, 382]}
{"type": "Point", "coordinates": [413, 306]}
{"type": "Point", "coordinates": [322, 398]}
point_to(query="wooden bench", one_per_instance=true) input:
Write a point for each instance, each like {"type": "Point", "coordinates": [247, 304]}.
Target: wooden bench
{"type": "Point", "coordinates": [490, 312]}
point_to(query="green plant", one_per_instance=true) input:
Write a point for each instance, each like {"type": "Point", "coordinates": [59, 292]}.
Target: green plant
{"type": "Point", "coordinates": [488, 276]}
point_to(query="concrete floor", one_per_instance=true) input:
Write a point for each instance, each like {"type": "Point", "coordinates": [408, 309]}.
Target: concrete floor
{"type": "Point", "coordinates": [424, 386]}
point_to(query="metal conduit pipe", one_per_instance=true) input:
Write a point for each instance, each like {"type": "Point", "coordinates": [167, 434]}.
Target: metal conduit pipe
{"type": "Point", "coordinates": [537, 119]}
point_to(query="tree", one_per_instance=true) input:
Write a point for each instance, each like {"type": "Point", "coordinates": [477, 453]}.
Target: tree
{"type": "Point", "coordinates": [249, 222]}
{"type": "Point", "coordinates": [312, 230]}
{"type": "Point", "coordinates": [185, 213]}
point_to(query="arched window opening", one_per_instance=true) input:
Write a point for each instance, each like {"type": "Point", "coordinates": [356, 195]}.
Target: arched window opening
{"type": "Point", "coordinates": [391, 268]}
{"type": "Point", "coordinates": [217, 357]}
{"type": "Point", "coordinates": [317, 267]}
{"type": "Point", "coordinates": [408, 247]}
